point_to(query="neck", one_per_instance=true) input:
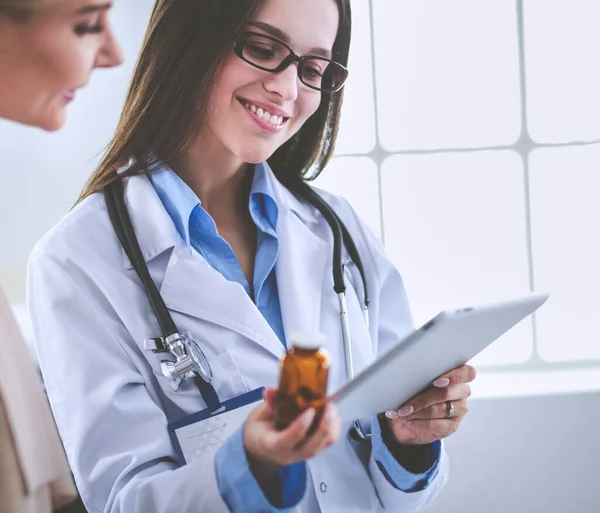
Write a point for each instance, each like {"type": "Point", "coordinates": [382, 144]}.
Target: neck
{"type": "Point", "coordinates": [221, 182]}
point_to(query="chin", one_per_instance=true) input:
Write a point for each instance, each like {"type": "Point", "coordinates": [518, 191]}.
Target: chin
{"type": "Point", "coordinates": [255, 154]}
{"type": "Point", "coordinates": [52, 123]}
{"type": "Point", "coordinates": [47, 123]}
{"type": "Point", "coordinates": [50, 119]}
{"type": "Point", "coordinates": [255, 157]}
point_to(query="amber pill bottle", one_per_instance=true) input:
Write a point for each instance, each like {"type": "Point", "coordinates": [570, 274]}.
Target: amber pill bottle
{"type": "Point", "coordinates": [303, 379]}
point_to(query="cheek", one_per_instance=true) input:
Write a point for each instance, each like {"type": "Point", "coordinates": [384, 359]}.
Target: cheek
{"type": "Point", "coordinates": [74, 71]}
{"type": "Point", "coordinates": [66, 61]}
{"type": "Point", "coordinates": [309, 104]}
{"type": "Point", "coordinates": [233, 75]}
{"type": "Point", "coordinates": [314, 103]}
{"type": "Point", "coordinates": [231, 78]}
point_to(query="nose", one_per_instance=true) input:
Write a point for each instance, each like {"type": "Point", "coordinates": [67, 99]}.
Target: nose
{"type": "Point", "coordinates": [284, 83]}
{"type": "Point", "coordinates": [110, 53]}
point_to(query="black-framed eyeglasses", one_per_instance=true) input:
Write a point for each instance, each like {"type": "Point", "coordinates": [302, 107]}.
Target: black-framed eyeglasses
{"type": "Point", "coordinates": [270, 54]}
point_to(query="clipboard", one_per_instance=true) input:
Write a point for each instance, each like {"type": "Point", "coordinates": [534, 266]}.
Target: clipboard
{"type": "Point", "coordinates": [446, 342]}
{"type": "Point", "coordinates": [205, 431]}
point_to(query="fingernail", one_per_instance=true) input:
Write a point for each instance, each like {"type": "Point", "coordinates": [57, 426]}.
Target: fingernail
{"type": "Point", "coordinates": [405, 411]}
{"type": "Point", "coordinates": [308, 417]}
{"type": "Point", "coordinates": [391, 414]}
{"type": "Point", "coordinates": [441, 382]}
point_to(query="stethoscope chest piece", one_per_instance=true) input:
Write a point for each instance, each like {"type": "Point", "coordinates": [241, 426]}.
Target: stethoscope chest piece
{"type": "Point", "coordinates": [190, 361]}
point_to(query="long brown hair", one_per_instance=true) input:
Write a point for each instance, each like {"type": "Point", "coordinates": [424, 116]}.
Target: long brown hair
{"type": "Point", "coordinates": [172, 85]}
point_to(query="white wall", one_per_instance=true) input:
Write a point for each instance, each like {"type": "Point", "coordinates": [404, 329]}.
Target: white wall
{"type": "Point", "coordinates": [525, 455]}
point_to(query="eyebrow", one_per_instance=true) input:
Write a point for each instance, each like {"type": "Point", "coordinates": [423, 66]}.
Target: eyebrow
{"type": "Point", "coordinates": [280, 34]}
{"type": "Point", "coordinates": [94, 8]}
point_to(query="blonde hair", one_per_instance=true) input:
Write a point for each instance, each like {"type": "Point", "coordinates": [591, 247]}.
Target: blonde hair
{"type": "Point", "coordinates": [21, 9]}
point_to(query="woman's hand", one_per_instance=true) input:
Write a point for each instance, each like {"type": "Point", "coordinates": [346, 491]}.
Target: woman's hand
{"type": "Point", "coordinates": [435, 413]}
{"type": "Point", "coordinates": [269, 449]}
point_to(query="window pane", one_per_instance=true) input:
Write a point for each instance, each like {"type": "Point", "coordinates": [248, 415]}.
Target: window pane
{"type": "Point", "coordinates": [447, 73]}
{"type": "Point", "coordinates": [563, 69]}
{"type": "Point", "coordinates": [355, 178]}
{"type": "Point", "coordinates": [565, 187]}
{"type": "Point", "coordinates": [454, 225]}
{"type": "Point", "coordinates": [357, 128]}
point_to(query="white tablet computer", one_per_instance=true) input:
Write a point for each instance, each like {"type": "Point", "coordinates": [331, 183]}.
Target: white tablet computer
{"type": "Point", "coordinates": [446, 342]}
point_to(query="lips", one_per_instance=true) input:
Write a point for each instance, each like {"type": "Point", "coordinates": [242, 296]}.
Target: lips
{"type": "Point", "coordinates": [69, 95]}
{"type": "Point", "coordinates": [270, 112]}
{"type": "Point", "coordinates": [273, 119]}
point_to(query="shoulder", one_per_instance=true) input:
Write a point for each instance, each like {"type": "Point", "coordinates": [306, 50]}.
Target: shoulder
{"type": "Point", "coordinates": [80, 230]}
{"type": "Point", "coordinates": [368, 244]}
{"type": "Point", "coordinates": [357, 226]}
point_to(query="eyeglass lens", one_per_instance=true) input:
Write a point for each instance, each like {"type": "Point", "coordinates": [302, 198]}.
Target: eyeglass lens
{"type": "Point", "coordinates": [318, 73]}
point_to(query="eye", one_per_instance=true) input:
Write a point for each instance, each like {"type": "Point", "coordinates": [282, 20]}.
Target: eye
{"type": "Point", "coordinates": [312, 73]}
{"type": "Point", "coordinates": [259, 50]}
{"type": "Point", "coordinates": [83, 29]}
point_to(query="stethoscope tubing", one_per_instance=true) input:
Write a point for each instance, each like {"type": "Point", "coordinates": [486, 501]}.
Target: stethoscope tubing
{"type": "Point", "coordinates": [117, 209]}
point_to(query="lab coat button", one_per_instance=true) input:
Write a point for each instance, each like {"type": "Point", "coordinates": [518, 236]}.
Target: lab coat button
{"type": "Point", "coordinates": [323, 487]}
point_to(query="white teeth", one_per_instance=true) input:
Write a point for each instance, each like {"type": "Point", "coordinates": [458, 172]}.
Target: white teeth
{"type": "Point", "coordinates": [267, 116]}
{"type": "Point", "coordinates": [275, 120]}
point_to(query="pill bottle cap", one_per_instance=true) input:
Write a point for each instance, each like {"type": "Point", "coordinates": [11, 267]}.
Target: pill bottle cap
{"type": "Point", "coordinates": [306, 340]}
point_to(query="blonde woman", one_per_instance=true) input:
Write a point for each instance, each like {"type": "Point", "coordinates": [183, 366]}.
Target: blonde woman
{"type": "Point", "coordinates": [48, 49]}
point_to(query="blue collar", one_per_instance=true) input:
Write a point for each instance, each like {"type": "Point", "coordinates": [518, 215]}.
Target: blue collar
{"type": "Point", "coordinates": [181, 202]}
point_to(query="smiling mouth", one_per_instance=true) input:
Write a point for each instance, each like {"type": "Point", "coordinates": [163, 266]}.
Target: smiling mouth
{"type": "Point", "coordinates": [273, 119]}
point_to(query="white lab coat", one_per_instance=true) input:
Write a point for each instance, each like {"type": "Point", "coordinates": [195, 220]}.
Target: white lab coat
{"type": "Point", "coordinates": [111, 403]}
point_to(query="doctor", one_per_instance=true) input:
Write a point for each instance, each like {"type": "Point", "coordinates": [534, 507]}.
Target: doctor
{"type": "Point", "coordinates": [225, 115]}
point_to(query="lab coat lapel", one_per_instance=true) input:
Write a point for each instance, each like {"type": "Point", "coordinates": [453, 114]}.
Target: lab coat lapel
{"type": "Point", "coordinates": [190, 285]}
{"type": "Point", "coordinates": [303, 257]}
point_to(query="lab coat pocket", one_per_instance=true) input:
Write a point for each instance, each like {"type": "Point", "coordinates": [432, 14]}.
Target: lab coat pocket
{"type": "Point", "coordinates": [229, 369]}
{"type": "Point", "coordinates": [227, 381]}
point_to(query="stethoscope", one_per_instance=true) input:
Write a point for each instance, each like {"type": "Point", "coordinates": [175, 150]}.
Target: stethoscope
{"type": "Point", "coordinates": [190, 363]}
